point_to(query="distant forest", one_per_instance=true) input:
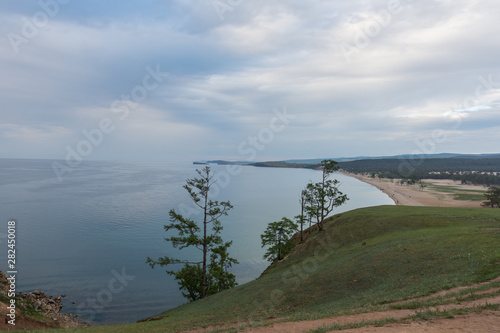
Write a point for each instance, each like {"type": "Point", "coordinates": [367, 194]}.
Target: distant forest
{"type": "Point", "coordinates": [469, 169]}
{"type": "Point", "coordinates": [484, 171]}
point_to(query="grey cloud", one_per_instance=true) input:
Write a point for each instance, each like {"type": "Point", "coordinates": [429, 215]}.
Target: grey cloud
{"type": "Point", "coordinates": [227, 75]}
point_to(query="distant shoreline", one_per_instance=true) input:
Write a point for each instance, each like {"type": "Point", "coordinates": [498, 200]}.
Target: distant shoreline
{"type": "Point", "coordinates": [435, 193]}
{"type": "Point", "coordinates": [399, 198]}
{"type": "Point", "coordinates": [404, 195]}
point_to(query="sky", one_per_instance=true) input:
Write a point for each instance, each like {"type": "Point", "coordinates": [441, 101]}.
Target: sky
{"type": "Point", "coordinates": [254, 80]}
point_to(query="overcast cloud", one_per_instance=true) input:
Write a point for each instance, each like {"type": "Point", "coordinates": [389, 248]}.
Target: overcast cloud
{"type": "Point", "coordinates": [184, 80]}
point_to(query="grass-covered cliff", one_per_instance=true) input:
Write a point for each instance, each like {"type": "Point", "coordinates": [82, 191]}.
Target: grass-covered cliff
{"type": "Point", "coordinates": [365, 259]}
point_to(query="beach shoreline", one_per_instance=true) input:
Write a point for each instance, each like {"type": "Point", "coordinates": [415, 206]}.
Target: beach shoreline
{"type": "Point", "coordinates": [412, 195]}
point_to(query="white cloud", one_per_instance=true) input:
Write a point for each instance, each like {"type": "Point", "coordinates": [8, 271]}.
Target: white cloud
{"type": "Point", "coordinates": [227, 76]}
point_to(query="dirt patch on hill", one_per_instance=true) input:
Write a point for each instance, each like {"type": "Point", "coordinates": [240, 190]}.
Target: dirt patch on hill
{"type": "Point", "coordinates": [487, 322]}
{"type": "Point", "coordinates": [475, 317]}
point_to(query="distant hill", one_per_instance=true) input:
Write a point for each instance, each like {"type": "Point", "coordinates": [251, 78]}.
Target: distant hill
{"type": "Point", "coordinates": [469, 168]}
{"type": "Point", "coordinates": [404, 156]}
{"type": "Point", "coordinates": [476, 170]}
{"type": "Point", "coordinates": [223, 162]}
{"type": "Point", "coordinates": [356, 158]}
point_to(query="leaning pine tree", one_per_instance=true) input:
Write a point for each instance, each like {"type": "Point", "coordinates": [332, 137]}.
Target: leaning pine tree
{"type": "Point", "coordinates": [321, 198]}
{"type": "Point", "coordinates": [209, 275]}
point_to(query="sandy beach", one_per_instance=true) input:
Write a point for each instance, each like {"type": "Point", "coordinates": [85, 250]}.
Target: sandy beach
{"type": "Point", "coordinates": [436, 193]}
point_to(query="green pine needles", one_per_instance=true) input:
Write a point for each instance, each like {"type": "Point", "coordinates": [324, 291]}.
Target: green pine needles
{"type": "Point", "coordinates": [209, 275]}
{"type": "Point", "coordinates": [317, 201]}
{"type": "Point", "coordinates": [278, 236]}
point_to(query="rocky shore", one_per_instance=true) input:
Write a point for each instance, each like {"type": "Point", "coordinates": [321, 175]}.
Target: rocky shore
{"type": "Point", "coordinates": [34, 310]}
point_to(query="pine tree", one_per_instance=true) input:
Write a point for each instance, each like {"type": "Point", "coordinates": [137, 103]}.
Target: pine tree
{"type": "Point", "coordinates": [278, 237]}
{"type": "Point", "coordinates": [324, 196]}
{"type": "Point", "coordinates": [198, 279]}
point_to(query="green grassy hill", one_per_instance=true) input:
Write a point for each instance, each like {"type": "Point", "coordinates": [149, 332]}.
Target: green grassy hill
{"type": "Point", "coordinates": [366, 258]}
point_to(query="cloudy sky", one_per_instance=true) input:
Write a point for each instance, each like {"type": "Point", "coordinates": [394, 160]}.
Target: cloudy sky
{"type": "Point", "coordinates": [179, 80]}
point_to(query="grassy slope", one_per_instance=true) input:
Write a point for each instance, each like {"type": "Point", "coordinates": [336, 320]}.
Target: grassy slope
{"type": "Point", "coordinates": [408, 252]}
{"type": "Point", "coordinates": [460, 194]}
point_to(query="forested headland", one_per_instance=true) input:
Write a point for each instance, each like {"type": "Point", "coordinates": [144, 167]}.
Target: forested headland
{"type": "Point", "coordinates": [484, 171]}
{"type": "Point", "coordinates": [480, 169]}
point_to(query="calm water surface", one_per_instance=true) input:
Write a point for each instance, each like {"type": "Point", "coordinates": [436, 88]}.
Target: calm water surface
{"type": "Point", "coordinates": [89, 235]}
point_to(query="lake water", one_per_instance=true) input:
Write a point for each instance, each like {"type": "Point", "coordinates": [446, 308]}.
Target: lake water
{"type": "Point", "coordinates": [88, 236]}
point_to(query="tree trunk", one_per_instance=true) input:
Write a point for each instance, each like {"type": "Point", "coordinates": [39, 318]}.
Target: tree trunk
{"type": "Point", "coordinates": [279, 244]}
{"type": "Point", "coordinates": [320, 225]}
{"type": "Point", "coordinates": [205, 249]}
{"type": "Point", "coordinates": [204, 274]}
{"type": "Point", "coordinates": [302, 217]}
